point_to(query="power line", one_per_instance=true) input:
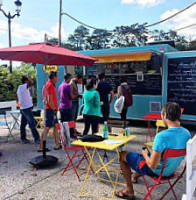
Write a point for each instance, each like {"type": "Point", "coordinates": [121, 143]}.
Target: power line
{"type": "Point", "coordinates": [185, 27]}
{"type": "Point", "coordinates": [171, 16]}
{"type": "Point", "coordinates": [136, 28]}
{"type": "Point", "coordinates": [80, 21]}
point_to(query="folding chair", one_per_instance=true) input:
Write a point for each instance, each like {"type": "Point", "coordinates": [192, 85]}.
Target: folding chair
{"type": "Point", "coordinates": [5, 123]}
{"type": "Point", "coordinates": [159, 124]}
{"type": "Point", "coordinates": [169, 153]}
{"type": "Point", "coordinates": [40, 122]}
{"type": "Point", "coordinates": [76, 149]}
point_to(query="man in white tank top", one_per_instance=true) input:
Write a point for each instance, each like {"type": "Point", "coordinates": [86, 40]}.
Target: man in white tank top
{"type": "Point", "coordinates": [26, 106]}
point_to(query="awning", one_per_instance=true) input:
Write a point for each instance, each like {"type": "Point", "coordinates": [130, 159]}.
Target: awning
{"type": "Point", "coordinates": [124, 57]}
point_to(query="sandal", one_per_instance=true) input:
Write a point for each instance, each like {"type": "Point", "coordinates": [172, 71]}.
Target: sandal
{"type": "Point", "coordinates": [123, 195]}
{"type": "Point", "coordinates": [57, 148]}
{"type": "Point", "coordinates": [41, 150]}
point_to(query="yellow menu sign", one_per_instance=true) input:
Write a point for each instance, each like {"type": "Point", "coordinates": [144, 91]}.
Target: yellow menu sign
{"type": "Point", "coordinates": [50, 68]}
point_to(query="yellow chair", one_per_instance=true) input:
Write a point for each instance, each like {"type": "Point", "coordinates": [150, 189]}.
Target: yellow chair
{"type": "Point", "coordinates": [40, 122]}
{"type": "Point", "coordinates": [159, 124]}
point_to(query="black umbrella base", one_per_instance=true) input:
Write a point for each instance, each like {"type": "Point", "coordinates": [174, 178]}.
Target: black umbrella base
{"type": "Point", "coordinates": [41, 162]}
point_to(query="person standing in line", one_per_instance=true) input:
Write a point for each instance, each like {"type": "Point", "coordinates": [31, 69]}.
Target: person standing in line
{"type": "Point", "coordinates": [65, 94]}
{"type": "Point", "coordinates": [104, 90]}
{"type": "Point", "coordinates": [26, 105]}
{"type": "Point", "coordinates": [51, 110]}
{"type": "Point", "coordinates": [92, 107]}
{"type": "Point", "coordinates": [122, 90]}
{"type": "Point", "coordinates": [78, 79]}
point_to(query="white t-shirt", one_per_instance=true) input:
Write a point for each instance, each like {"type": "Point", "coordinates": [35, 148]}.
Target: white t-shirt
{"type": "Point", "coordinates": [24, 96]}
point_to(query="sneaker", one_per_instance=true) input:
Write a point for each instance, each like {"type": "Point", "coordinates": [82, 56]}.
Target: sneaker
{"type": "Point", "coordinates": [25, 141]}
{"type": "Point", "coordinates": [37, 142]}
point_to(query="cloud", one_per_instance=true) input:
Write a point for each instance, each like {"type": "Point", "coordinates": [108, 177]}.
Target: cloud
{"type": "Point", "coordinates": [183, 19]}
{"type": "Point", "coordinates": [29, 33]}
{"type": "Point", "coordinates": [143, 3]}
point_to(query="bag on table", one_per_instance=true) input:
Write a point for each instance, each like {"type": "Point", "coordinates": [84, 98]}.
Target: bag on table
{"type": "Point", "coordinates": [92, 138]}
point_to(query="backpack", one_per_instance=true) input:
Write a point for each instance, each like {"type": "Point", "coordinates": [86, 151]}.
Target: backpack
{"type": "Point", "coordinates": [126, 91]}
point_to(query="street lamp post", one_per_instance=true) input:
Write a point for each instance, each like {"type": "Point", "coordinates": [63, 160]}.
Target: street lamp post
{"type": "Point", "coordinates": [9, 17]}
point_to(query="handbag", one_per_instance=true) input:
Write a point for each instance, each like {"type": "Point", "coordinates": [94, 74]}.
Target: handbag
{"type": "Point", "coordinates": [119, 104]}
{"type": "Point", "coordinates": [92, 138]}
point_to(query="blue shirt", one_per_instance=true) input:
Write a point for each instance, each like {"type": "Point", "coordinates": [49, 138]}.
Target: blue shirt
{"type": "Point", "coordinates": [172, 138]}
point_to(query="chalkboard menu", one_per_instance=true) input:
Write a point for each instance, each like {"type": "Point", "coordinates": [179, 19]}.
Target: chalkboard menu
{"type": "Point", "coordinates": [151, 85]}
{"type": "Point", "coordinates": [181, 86]}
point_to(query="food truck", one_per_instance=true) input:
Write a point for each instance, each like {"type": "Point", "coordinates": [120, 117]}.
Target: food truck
{"type": "Point", "coordinates": [156, 73]}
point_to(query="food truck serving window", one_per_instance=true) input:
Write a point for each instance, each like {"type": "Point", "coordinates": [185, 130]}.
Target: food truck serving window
{"type": "Point", "coordinates": [144, 77]}
{"type": "Point", "coordinates": [142, 71]}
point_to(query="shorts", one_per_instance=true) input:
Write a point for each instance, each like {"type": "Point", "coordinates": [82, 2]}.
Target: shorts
{"type": "Point", "coordinates": [51, 118]}
{"type": "Point", "coordinates": [66, 115]}
{"type": "Point", "coordinates": [133, 159]}
{"type": "Point", "coordinates": [105, 110]}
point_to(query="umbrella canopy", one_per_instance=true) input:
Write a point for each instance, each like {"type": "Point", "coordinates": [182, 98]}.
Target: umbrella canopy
{"type": "Point", "coordinates": [45, 53]}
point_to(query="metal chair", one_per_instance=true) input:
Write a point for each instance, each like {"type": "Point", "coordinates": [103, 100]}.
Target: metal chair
{"type": "Point", "coordinates": [169, 153]}
{"type": "Point", "coordinates": [159, 124]}
{"type": "Point", "coordinates": [5, 123]}
{"type": "Point", "coordinates": [65, 139]}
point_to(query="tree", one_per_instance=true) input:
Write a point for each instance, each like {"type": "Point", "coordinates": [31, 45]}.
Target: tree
{"type": "Point", "coordinates": [9, 82]}
{"type": "Point", "coordinates": [192, 45]}
{"type": "Point", "coordinates": [133, 35]}
{"type": "Point", "coordinates": [78, 39]}
{"type": "Point", "coordinates": [99, 39]}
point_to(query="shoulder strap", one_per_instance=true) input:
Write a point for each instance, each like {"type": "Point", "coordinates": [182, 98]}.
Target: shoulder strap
{"type": "Point", "coordinates": [122, 90]}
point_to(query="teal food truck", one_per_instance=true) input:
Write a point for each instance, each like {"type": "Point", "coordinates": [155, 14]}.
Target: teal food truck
{"type": "Point", "coordinates": [156, 73]}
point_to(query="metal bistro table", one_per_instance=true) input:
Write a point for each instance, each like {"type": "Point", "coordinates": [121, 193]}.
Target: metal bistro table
{"type": "Point", "coordinates": [16, 117]}
{"type": "Point", "coordinates": [113, 143]}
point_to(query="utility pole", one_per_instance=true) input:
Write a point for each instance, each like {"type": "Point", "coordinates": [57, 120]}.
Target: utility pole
{"type": "Point", "coordinates": [60, 17]}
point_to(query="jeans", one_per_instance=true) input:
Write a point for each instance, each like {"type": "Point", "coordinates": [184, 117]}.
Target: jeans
{"type": "Point", "coordinates": [90, 120]}
{"type": "Point", "coordinates": [27, 117]}
{"type": "Point", "coordinates": [66, 115]}
{"type": "Point", "coordinates": [74, 110]}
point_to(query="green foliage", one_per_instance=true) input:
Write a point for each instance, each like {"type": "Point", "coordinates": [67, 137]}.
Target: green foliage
{"type": "Point", "coordinates": [122, 36]}
{"type": "Point", "coordinates": [9, 82]}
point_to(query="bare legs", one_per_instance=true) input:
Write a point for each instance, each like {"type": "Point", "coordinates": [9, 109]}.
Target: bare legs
{"type": "Point", "coordinates": [129, 177]}
{"type": "Point", "coordinates": [56, 137]}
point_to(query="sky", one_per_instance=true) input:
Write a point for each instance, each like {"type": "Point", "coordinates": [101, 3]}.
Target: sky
{"type": "Point", "coordinates": [41, 17]}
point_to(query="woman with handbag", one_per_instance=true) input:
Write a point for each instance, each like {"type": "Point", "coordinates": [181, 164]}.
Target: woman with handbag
{"type": "Point", "coordinates": [125, 90]}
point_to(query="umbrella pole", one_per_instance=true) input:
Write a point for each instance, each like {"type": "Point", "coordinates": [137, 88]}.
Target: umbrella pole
{"type": "Point", "coordinates": [44, 135]}
{"type": "Point", "coordinates": [44, 160]}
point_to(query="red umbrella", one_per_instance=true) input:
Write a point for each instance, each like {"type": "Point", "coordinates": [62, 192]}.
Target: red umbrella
{"type": "Point", "coordinates": [47, 54]}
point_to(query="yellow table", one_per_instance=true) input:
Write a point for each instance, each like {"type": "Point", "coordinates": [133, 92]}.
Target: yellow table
{"type": "Point", "coordinates": [104, 146]}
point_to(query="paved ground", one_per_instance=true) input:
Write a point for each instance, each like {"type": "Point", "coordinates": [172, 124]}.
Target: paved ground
{"type": "Point", "coordinates": [21, 181]}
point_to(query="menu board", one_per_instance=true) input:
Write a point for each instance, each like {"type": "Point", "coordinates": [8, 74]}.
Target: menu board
{"type": "Point", "coordinates": [151, 84]}
{"type": "Point", "coordinates": [181, 87]}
